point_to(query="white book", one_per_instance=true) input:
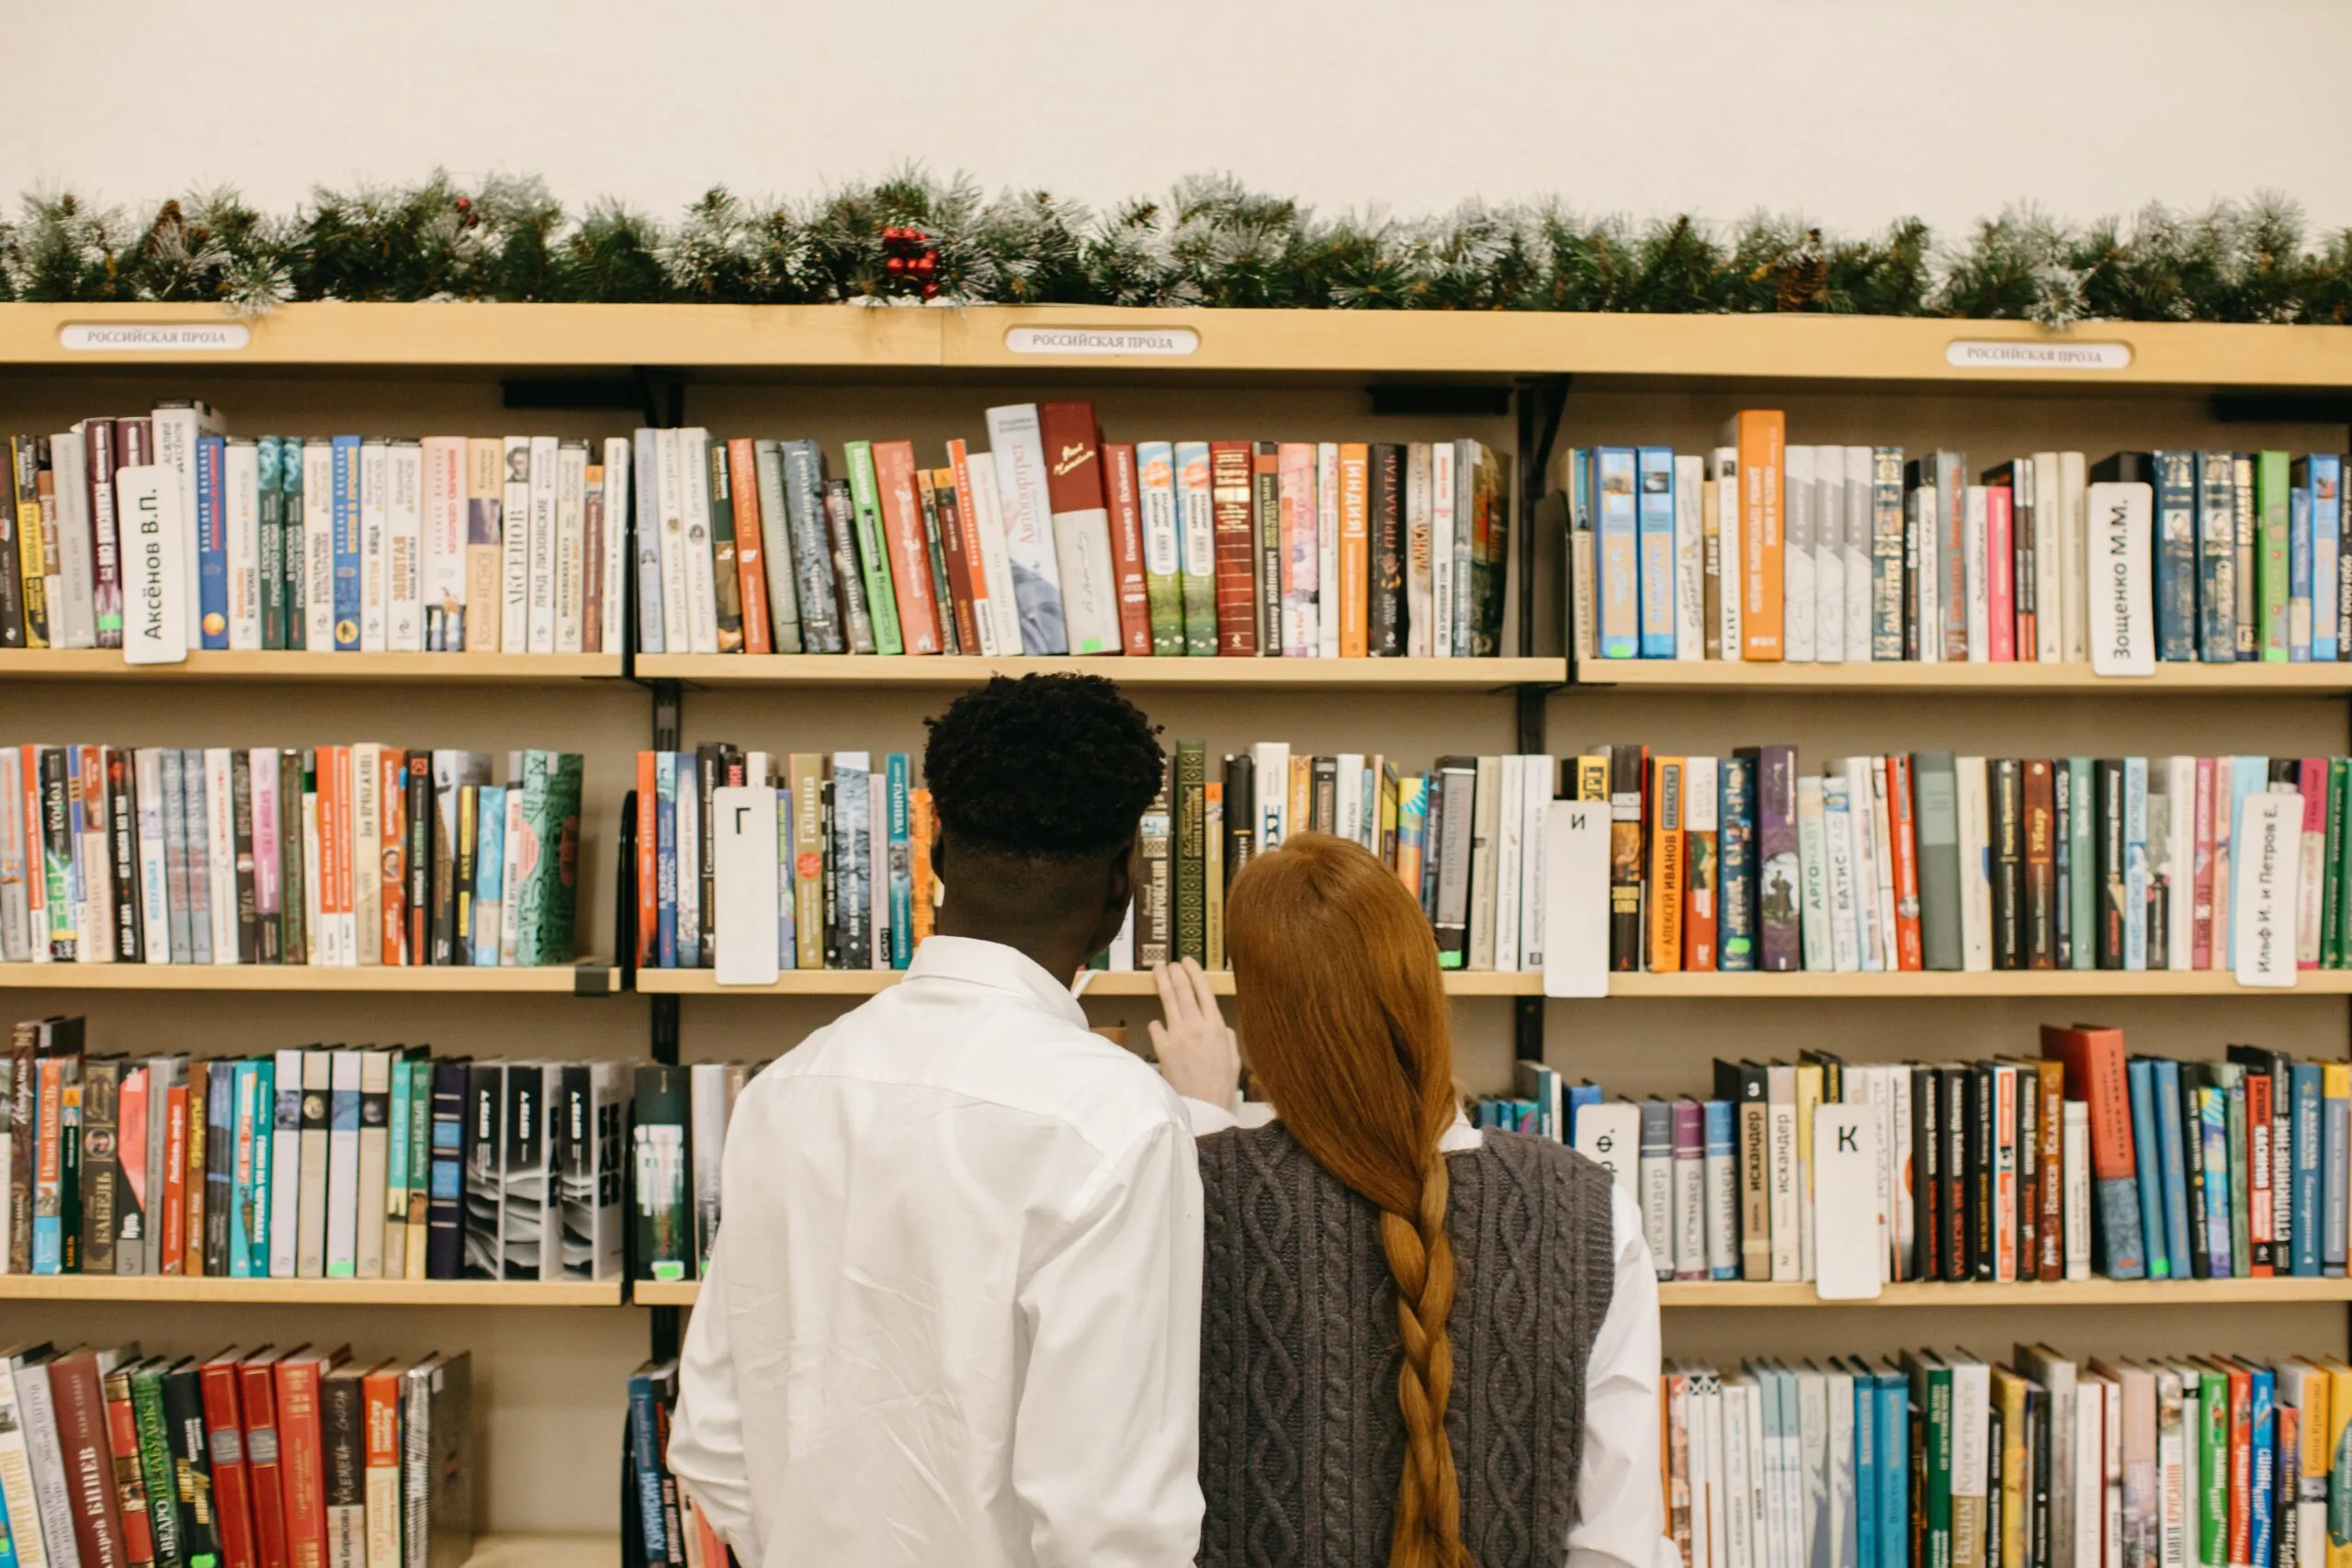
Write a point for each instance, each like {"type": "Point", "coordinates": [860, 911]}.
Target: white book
{"type": "Point", "coordinates": [375, 548]}
{"type": "Point", "coordinates": [571, 544]}
{"type": "Point", "coordinates": [1348, 796]}
{"type": "Point", "coordinates": [155, 887]}
{"type": "Point", "coordinates": [1027, 517]}
{"type": "Point", "coordinates": [444, 503]}
{"type": "Point", "coordinates": [318, 546]}
{"type": "Point", "coordinates": [154, 602]}
{"type": "Point", "coordinates": [1972, 1415]}
{"type": "Point", "coordinates": [1971, 796]}
{"type": "Point", "coordinates": [510, 911]}
{"type": "Point", "coordinates": [1511, 780]}
{"type": "Point", "coordinates": [72, 577]}
{"type": "Point", "coordinates": [1690, 557]}
{"type": "Point", "coordinates": [615, 570]}
{"type": "Point", "coordinates": [1974, 535]}
{"type": "Point", "coordinates": [1844, 1546]}
{"type": "Point", "coordinates": [375, 1091]}
{"type": "Point", "coordinates": [1690, 1202]}
{"type": "Point", "coordinates": [2180, 914]}
{"type": "Point", "coordinates": [343, 1170]}
{"type": "Point", "coordinates": [543, 543]}
{"type": "Point", "coordinates": [2052, 540]}
{"type": "Point", "coordinates": [1610, 1134]}
{"type": "Point", "coordinates": [221, 831]}
{"type": "Point", "coordinates": [1901, 1175]}
{"type": "Point", "coordinates": [240, 503]}
{"type": "Point", "coordinates": [1816, 1522]}
{"type": "Point", "coordinates": [1429, 600]}
{"type": "Point", "coordinates": [701, 568]}
{"type": "Point", "coordinates": [1927, 603]}
{"type": "Point", "coordinates": [706, 1138]}
{"type": "Point", "coordinates": [743, 861]}
{"type": "Point", "coordinates": [1862, 811]}
{"type": "Point", "coordinates": [1775, 1517]}
{"type": "Point", "coordinates": [1535, 804]}
{"type": "Point", "coordinates": [1799, 582]}
{"type": "Point", "coordinates": [1327, 548]}
{"type": "Point", "coordinates": [669, 491]}
{"type": "Point", "coordinates": [176, 426]}
{"type": "Point", "coordinates": [1860, 499]}
{"type": "Point", "coordinates": [1844, 889]}
{"type": "Point", "coordinates": [1723, 472]}
{"type": "Point", "coordinates": [1576, 899]}
{"type": "Point", "coordinates": [999, 612]}
{"type": "Point", "coordinates": [1739, 1491]}
{"type": "Point", "coordinates": [1707, 1469]}
{"type": "Point", "coordinates": [1485, 807]}
{"type": "Point", "coordinates": [1654, 1175]}
{"type": "Point", "coordinates": [2074, 556]}
{"type": "Point", "coordinates": [514, 547]}
{"type": "Point", "coordinates": [1780, 1170]}
{"type": "Point", "coordinates": [1830, 554]}
{"type": "Point", "coordinates": [367, 857]}
{"type": "Point", "coordinates": [285, 1163]}
{"type": "Point", "coordinates": [404, 547]}
{"type": "Point", "coordinates": [33, 1514]}
{"type": "Point", "coordinates": [1270, 773]}
{"type": "Point", "coordinates": [1813, 877]}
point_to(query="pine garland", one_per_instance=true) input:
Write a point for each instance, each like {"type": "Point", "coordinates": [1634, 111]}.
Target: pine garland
{"type": "Point", "coordinates": [1211, 241]}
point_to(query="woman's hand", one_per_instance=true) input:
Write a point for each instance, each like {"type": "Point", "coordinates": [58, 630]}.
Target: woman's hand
{"type": "Point", "coordinates": [1198, 1054]}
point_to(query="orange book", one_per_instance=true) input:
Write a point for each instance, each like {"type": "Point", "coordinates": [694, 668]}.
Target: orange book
{"type": "Point", "coordinates": [959, 462]}
{"type": "Point", "coordinates": [751, 568]}
{"type": "Point", "coordinates": [380, 1404]}
{"type": "Point", "coordinates": [1126, 548]}
{"type": "Point", "coordinates": [1355, 550]}
{"type": "Point", "coordinates": [1302, 792]}
{"type": "Point", "coordinates": [1666, 878]}
{"type": "Point", "coordinates": [1701, 868]}
{"type": "Point", "coordinates": [345, 905]}
{"type": "Point", "coordinates": [648, 858]}
{"type": "Point", "coordinates": [192, 1172]}
{"type": "Point", "coordinates": [920, 828]}
{"type": "Point", "coordinates": [1759, 435]}
{"type": "Point", "coordinates": [902, 533]}
{"type": "Point", "coordinates": [392, 850]}
{"type": "Point", "coordinates": [1902, 845]}
{"type": "Point", "coordinates": [485, 555]}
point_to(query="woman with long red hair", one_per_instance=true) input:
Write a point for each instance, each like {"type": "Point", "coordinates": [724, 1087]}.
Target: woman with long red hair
{"type": "Point", "coordinates": [1422, 1347]}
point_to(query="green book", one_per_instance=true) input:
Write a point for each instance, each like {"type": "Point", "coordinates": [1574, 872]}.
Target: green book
{"type": "Point", "coordinates": [1196, 535]}
{"type": "Point", "coordinates": [420, 1149]}
{"type": "Point", "coordinates": [2271, 583]}
{"type": "Point", "coordinates": [1191, 852]}
{"type": "Point", "coordinates": [2331, 938]}
{"type": "Point", "coordinates": [1931, 1400]}
{"type": "Point", "coordinates": [156, 1461]}
{"type": "Point", "coordinates": [396, 1148]}
{"type": "Point", "coordinates": [1163, 556]}
{"type": "Point", "coordinates": [2230, 1078]}
{"type": "Point", "coordinates": [549, 891]}
{"type": "Point", "coordinates": [2212, 1439]}
{"type": "Point", "coordinates": [872, 550]}
{"type": "Point", "coordinates": [2081, 892]}
{"type": "Point", "coordinates": [658, 1134]}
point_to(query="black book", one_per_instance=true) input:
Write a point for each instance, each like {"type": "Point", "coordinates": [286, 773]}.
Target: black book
{"type": "Point", "coordinates": [523, 1178]}
{"type": "Point", "coordinates": [240, 818]}
{"type": "Point", "coordinates": [1432, 811]}
{"type": "Point", "coordinates": [934, 502]}
{"type": "Point", "coordinates": [2279, 1068]}
{"type": "Point", "coordinates": [1959, 1262]}
{"type": "Point", "coordinates": [1627, 765]}
{"type": "Point", "coordinates": [832, 878]}
{"type": "Point", "coordinates": [485, 1132]}
{"type": "Point", "coordinates": [1266, 525]}
{"type": "Point", "coordinates": [342, 1461]}
{"type": "Point", "coordinates": [2006, 788]}
{"type": "Point", "coordinates": [1748, 1088]}
{"type": "Point", "coordinates": [1995, 1459]}
{"type": "Point", "coordinates": [445, 1213]}
{"type": "Point", "coordinates": [2193, 1078]}
{"type": "Point", "coordinates": [462, 871]}
{"type": "Point", "coordinates": [2124, 467]}
{"type": "Point", "coordinates": [1983, 1099]}
{"type": "Point", "coordinates": [2106, 775]}
{"type": "Point", "coordinates": [1323, 796]}
{"type": "Point", "coordinates": [122, 835]}
{"type": "Point", "coordinates": [708, 761]}
{"type": "Point", "coordinates": [1833, 1074]}
{"type": "Point", "coordinates": [2062, 862]}
{"type": "Point", "coordinates": [419, 789]}
{"type": "Point", "coordinates": [727, 581]}
{"type": "Point", "coordinates": [1240, 812]}
{"type": "Point", "coordinates": [1386, 527]}
{"type": "Point", "coordinates": [1926, 1261]}
{"type": "Point", "coordinates": [11, 596]}
{"type": "Point", "coordinates": [660, 1245]}
{"type": "Point", "coordinates": [191, 1456]}
{"type": "Point", "coordinates": [220, 1162]}
{"type": "Point", "coordinates": [2039, 1461]}
{"type": "Point", "coordinates": [101, 1166]}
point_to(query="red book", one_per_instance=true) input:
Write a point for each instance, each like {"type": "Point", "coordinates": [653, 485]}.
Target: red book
{"type": "Point", "coordinates": [1237, 548]}
{"type": "Point", "coordinates": [2000, 574]}
{"type": "Point", "coordinates": [750, 571]}
{"type": "Point", "coordinates": [301, 1455]}
{"type": "Point", "coordinates": [266, 1477]}
{"type": "Point", "coordinates": [2312, 887]}
{"type": "Point", "coordinates": [2261, 1202]}
{"type": "Point", "coordinates": [648, 858]}
{"type": "Point", "coordinates": [75, 1387]}
{"type": "Point", "coordinates": [129, 1476]}
{"type": "Point", "coordinates": [956, 547]}
{"type": "Point", "coordinates": [232, 1508]}
{"type": "Point", "coordinates": [2240, 1513]}
{"type": "Point", "coordinates": [894, 477]}
{"type": "Point", "coordinates": [392, 847]}
{"type": "Point", "coordinates": [1903, 844]}
{"type": "Point", "coordinates": [1126, 548]}
{"type": "Point", "coordinates": [2096, 1075]}
{"type": "Point", "coordinates": [174, 1218]}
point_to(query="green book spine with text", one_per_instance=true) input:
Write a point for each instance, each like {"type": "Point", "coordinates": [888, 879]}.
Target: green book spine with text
{"type": "Point", "coordinates": [873, 554]}
{"type": "Point", "coordinates": [1191, 852]}
{"type": "Point", "coordinates": [2271, 581]}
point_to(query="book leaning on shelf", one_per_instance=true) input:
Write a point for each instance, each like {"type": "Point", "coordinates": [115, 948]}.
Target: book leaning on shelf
{"type": "Point", "coordinates": [2082, 1160]}
{"type": "Point", "coordinates": [1930, 861]}
{"type": "Point", "coordinates": [1055, 541]}
{"type": "Point", "coordinates": [270, 1458]}
{"type": "Point", "coordinates": [1940, 1459]}
{"type": "Point", "coordinates": [661, 1525]}
{"type": "Point", "coordinates": [823, 862]}
{"type": "Point", "coordinates": [326, 544]}
{"type": "Point", "coordinates": [316, 1163]}
{"type": "Point", "coordinates": [1764, 551]}
{"type": "Point", "coordinates": [334, 855]}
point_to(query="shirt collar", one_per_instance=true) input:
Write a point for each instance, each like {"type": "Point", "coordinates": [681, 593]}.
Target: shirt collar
{"type": "Point", "coordinates": [997, 967]}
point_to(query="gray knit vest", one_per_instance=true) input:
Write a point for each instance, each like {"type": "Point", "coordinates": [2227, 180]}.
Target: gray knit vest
{"type": "Point", "coordinates": [1302, 1445]}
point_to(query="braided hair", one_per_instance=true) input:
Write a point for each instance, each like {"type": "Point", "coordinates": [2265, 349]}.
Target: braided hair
{"type": "Point", "coordinates": [1344, 1015]}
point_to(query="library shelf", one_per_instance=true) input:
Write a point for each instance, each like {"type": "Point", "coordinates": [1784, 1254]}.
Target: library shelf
{"type": "Point", "coordinates": [2169, 680]}
{"type": "Point", "coordinates": [1750, 984]}
{"type": "Point", "coordinates": [1257, 675]}
{"type": "Point", "coordinates": [288, 1293]}
{"type": "Point", "coordinates": [1006, 342]}
{"type": "Point", "coordinates": [1975, 1297]}
{"type": "Point", "coordinates": [550, 1551]}
{"type": "Point", "coordinates": [1104, 983]}
{"type": "Point", "coordinates": [664, 1292]}
{"type": "Point", "coordinates": [315, 668]}
{"type": "Point", "coordinates": [585, 979]}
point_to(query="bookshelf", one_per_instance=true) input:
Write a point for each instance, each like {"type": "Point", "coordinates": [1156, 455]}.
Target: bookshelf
{"type": "Point", "coordinates": [326, 669]}
{"type": "Point", "coordinates": [310, 1292]}
{"type": "Point", "coordinates": [1991, 680]}
{"type": "Point", "coordinates": [1201, 674]}
{"type": "Point", "coordinates": [868, 981]}
{"type": "Point", "coordinates": [591, 980]}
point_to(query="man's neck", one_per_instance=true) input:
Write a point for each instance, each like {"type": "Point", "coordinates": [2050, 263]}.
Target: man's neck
{"type": "Point", "coordinates": [1061, 956]}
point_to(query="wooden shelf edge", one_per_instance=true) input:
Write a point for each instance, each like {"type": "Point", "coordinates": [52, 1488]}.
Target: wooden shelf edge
{"type": "Point", "coordinates": [322, 669]}
{"type": "Point", "coordinates": [515, 1550]}
{"type": "Point", "coordinates": [665, 1293]}
{"type": "Point", "coordinates": [1368, 674]}
{"type": "Point", "coordinates": [866, 983]}
{"type": "Point", "coordinates": [553, 980]}
{"type": "Point", "coordinates": [1974, 1297]}
{"type": "Point", "coordinates": [2169, 680]}
{"type": "Point", "coordinates": [334, 1293]}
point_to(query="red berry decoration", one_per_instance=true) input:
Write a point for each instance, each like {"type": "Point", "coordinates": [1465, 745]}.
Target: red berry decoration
{"type": "Point", "coordinates": [909, 260]}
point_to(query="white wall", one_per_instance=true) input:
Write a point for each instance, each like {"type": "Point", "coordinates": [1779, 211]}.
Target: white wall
{"type": "Point", "coordinates": [1852, 111]}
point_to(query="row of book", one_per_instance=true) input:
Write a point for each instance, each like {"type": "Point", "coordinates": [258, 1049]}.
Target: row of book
{"type": "Point", "coordinates": [754, 863]}
{"type": "Point", "coordinates": [336, 855]}
{"type": "Point", "coordinates": [312, 1163]}
{"type": "Point", "coordinates": [271, 1458]}
{"type": "Point", "coordinates": [661, 1526]}
{"type": "Point", "coordinates": [158, 534]}
{"type": "Point", "coordinates": [1930, 861]}
{"type": "Point", "coordinates": [1161, 548]}
{"type": "Point", "coordinates": [2084, 1160]}
{"type": "Point", "coordinates": [1944, 1459]}
{"type": "Point", "coordinates": [1757, 550]}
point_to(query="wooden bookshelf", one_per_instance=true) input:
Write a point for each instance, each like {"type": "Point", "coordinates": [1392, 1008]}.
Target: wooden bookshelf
{"type": "Point", "coordinates": [1974, 1298]}
{"type": "Point", "coordinates": [321, 669]}
{"type": "Point", "coordinates": [434, 980]}
{"type": "Point", "coordinates": [1255, 675]}
{"type": "Point", "coordinates": [2170, 680]}
{"type": "Point", "coordinates": [1301, 344]}
{"type": "Point", "coordinates": [320, 1292]}
{"type": "Point", "coordinates": [867, 982]}
{"type": "Point", "coordinates": [549, 1550]}
{"type": "Point", "coordinates": [665, 1293]}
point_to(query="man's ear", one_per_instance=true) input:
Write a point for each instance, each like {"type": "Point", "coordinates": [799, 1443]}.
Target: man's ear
{"type": "Point", "coordinates": [1122, 883]}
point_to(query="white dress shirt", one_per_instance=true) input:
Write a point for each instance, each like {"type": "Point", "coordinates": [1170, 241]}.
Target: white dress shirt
{"type": "Point", "coordinates": [1621, 1514]}
{"type": "Point", "coordinates": [954, 1313]}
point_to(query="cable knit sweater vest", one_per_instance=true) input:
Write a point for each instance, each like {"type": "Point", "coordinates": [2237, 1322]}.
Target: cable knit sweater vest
{"type": "Point", "coordinates": [1302, 1445]}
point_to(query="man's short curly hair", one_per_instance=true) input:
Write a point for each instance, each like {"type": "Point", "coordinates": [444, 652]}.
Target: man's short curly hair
{"type": "Point", "coordinates": [1056, 767]}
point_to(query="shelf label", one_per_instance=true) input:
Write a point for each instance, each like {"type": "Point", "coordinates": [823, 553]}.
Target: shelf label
{"type": "Point", "coordinates": [1155, 341]}
{"type": "Point", "coordinates": [1990, 353]}
{"type": "Point", "coordinates": [177, 337]}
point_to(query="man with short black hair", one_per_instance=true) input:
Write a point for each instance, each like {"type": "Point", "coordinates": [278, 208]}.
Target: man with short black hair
{"type": "Point", "coordinates": [953, 1312]}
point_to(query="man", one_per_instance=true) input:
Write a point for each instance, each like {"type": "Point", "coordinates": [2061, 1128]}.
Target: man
{"type": "Point", "coordinates": [954, 1315]}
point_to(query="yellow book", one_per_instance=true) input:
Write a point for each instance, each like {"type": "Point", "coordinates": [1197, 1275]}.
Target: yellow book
{"type": "Point", "coordinates": [1592, 776]}
{"type": "Point", "coordinates": [485, 554]}
{"type": "Point", "coordinates": [2009, 1398]}
{"type": "Point", "coordinates": [1665, 869]}
{"type": "Point", "coordinates": [1808, 1100]}
{"type": "Point", "coordinates": [2339, 1461]}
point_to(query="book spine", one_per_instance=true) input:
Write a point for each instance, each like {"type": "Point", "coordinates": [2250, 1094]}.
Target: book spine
{"type": "Point", "coordinates": [1385, 537]}
{"type": "Point", "coordinates": [1236, 575]}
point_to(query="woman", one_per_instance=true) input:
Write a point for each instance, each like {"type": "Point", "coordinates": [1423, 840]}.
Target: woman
{"type": "Point", "coordinates": [1420, 1347]}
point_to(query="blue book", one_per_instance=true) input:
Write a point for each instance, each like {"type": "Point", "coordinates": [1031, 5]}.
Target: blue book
{"type": "Point", "coordinates": [245, 1111]}
{"type": "Point", "coordinates": [264, 1120]}
{"type": "Point", "coordinates": [2175, 483]}
{"type": "Point", "coordinates": [902, 858]}
{"type": "Point", "coordinates": [2327, 546]}
{"type": "Point", "coordinates": [2150, 1171]}
{"type": "Point", "coordinates": [2335, 1142]}
{"type": "Point", "coordinates": [2299, 570]}
{"type": "Point", "coordinates": [1719, 1147]}
{"type": "Point", "coordinates": [1865, 1505]}
{"type": "Point", "coordinates": [1580, 1095]}
{"type": "Point", "coordinates": [647, 602]}
{"type": "Point", "coordinates": [2213, 1130]}
{"type": "Point", "coordinates": [2262, 1423]}
{"type": "Point", "coordinates": [665, 858]}
{"type": "Point", "coordinates": [1656, 466]}
{"type": "Point", "coordinates": [2248, 775]}
{"type": "Point", "coordinates": [645, 1464]}
{"type": "Point", "coordinates": [7, 1539]}
{"type": "Point", "coordinates": [2217, 554]}
{"type": "Point", "coordinates": [1616, 543]}
{"type": "Point", "coordinates": [2305, 1142]}
{"type": "Point", "coordinates": [212, 539]}
{"type": "Point", "coordinates": [348, 552]}
{"type": "Point", "coordinates": [396, 1133]}
{"type": "Point", "coordinates": [2166, 1088]}
{"type": "Point", "coordinates": [2135, 864]}
{"type": "Point", "coordinates": [1735, 866]}
{"type": "Point", "coordinates": [1894, 1468]}
{"type": "Point", "coordinates": [490, 873]}
{"type": "Point", "coordinates": [787, 914]}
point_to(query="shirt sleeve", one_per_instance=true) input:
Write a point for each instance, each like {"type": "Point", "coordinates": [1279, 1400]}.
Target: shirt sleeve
{"type": "Point", "coordinates": [707, 1430]}
{"type": "Point", "coordinates": [1620, 1512]}
{"type": "Point", "coordinates": [1207, 1118]}
{"type": "Point", "coordinates": [1106, 1445]}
